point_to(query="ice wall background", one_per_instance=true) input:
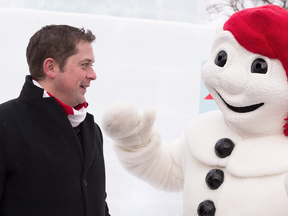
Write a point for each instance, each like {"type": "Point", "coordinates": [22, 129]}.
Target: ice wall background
{"type": "Point", "coordinates": [150, 62]}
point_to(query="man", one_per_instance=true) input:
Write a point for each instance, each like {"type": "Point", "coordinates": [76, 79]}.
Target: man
{"type": "Point", "coordinates": [51, 155]}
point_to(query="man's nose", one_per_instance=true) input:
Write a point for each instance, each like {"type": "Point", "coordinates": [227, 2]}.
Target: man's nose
{"type": "Point", "coordinates": [91, 74]}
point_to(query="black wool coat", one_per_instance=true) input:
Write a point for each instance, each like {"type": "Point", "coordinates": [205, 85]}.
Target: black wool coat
{"type": "Point", "coordinates": [44, 171]}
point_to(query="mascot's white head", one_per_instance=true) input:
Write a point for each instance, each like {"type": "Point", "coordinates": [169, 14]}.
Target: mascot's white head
{"type": "Point", "coordinates": [247, 72]}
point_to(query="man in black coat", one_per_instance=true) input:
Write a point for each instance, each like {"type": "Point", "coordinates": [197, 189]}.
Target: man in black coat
{"type": "Point", "coordinates": [51, 150]}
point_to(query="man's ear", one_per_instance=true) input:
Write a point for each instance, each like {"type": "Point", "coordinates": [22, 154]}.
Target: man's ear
{"type": "Point", "coordinates": [49, 67]}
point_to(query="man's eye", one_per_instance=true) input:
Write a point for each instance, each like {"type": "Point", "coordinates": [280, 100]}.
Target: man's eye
{"type": "Point", "coordinates": [85, 65]}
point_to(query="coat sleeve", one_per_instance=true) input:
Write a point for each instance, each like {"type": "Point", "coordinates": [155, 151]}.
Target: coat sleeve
{"type": "Point", "coordinates": [3, 174]}
{"type": "Point", "coordinates": [158, 163]}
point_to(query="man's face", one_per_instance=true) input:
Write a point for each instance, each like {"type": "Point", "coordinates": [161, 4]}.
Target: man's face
{"type": "Point", "coordinates": [70, 85]}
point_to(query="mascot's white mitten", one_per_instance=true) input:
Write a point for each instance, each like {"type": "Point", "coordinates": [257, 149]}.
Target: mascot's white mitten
{"type": "Point", "coordinates": [138, 146]}
{"type": "Point", "coordinates": [123, 123]}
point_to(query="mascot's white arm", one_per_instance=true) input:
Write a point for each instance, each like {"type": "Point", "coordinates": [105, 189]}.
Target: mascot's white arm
{"type": "Point", "coordinates": [139, 147]}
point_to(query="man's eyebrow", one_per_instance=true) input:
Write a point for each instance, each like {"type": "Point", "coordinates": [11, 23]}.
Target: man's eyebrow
{"type": "Point", "coordinates": [88, 60]}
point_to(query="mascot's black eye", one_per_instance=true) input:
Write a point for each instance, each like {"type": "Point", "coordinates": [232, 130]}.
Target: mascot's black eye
{"type": "Point", "coordinates": [221, 59]}
{"type": "Point", "coordinates": [259, 66]}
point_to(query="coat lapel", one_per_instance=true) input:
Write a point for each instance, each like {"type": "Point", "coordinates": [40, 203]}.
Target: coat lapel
{"type": "Point", "coordinates": [89, 142]}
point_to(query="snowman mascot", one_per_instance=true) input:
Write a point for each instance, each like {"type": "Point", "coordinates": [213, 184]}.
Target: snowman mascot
{"type": "Point", "coordinates": [231, 162]}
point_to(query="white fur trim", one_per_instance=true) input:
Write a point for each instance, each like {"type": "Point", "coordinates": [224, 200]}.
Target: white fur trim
{"type": "Point", "coordinates": [251, 157]}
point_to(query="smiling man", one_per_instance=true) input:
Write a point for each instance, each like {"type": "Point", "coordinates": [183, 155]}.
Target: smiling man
{"type": "Point", "coordinates": [51, 150]}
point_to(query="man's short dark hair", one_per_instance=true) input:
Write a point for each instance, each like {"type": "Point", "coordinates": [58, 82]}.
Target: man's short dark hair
{"type": "Point", "coordinates": [54, 41]}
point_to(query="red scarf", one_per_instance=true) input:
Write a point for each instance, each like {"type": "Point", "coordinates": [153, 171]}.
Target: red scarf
{"type": "Point", "coordinates": [75, 115]}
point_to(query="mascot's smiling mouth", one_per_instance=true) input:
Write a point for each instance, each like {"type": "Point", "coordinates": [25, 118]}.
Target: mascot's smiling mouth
{"type": "Point", "coordinates": [242, 109]}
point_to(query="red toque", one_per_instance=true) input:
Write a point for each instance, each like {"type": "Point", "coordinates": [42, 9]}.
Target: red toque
{"type": "Point", "coordinates": [262, 30]}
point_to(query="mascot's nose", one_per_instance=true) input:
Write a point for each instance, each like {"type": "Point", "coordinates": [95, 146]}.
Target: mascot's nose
{"type": "Point", "coordinates": [233, 80]}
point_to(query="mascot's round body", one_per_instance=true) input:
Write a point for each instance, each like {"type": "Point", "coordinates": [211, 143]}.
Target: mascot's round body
{"type": "Point", "coordinates": [252, 180]}
{"type": "Point", "coordinates": [231, 162]}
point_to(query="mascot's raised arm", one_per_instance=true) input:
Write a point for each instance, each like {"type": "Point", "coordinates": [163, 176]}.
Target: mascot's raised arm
{"type": "Point", "coordinates": [231, 162]}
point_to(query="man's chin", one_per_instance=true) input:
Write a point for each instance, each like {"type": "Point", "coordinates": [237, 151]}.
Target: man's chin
{"type": "Point", "coordinates": [81, 101]}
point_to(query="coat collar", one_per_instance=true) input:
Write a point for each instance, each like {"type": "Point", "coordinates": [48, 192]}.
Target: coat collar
{"type": "Point", "coordinates": [50, 107]}
{"type": "Point", "coordinates": [30, 91]}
